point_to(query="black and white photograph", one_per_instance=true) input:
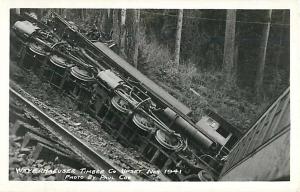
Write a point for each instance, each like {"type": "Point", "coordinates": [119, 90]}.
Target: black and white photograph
{"type": "Point", "coordinates": [149, 94]}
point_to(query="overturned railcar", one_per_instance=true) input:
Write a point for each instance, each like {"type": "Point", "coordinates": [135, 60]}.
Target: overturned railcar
{"type": "Point", "coordinates": [133, 108]}
{"type": "Point", "coordinates": [263, 153]}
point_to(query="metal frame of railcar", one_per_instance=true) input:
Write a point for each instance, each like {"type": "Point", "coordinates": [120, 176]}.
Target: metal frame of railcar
{"type": "Point", "coordinates": [271, 125]}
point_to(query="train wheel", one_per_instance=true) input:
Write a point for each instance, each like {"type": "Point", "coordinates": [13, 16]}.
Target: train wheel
{"type": "Point", "coordinates": [205, 176]}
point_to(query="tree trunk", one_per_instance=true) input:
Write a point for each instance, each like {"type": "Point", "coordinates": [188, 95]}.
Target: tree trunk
{"type": "Point", "coordinates": [136, 37]}
{"type": "Point", "coordinates": [236, 61]}
{"type": "Point", "coordinates": [229, 47]}
{"type": "Point", "coordinates": [98, 18]}
{"type": "Point", "coordinates": [164, 24]}
{"type": "Point", "coordinates": [116, 26]}
{"type": "Point", "coordinates": [109, 23]}
{"type": "Point", "coordinates": [278, 55]}
{"type": "Point", "coordinates": [178, 37]}
{"type": "Point", "coordinates": [123, 33]}
{"type": "Point", "coordinates": [103, 20]}
{"type": "Point", "coordinates": [18, 11]}
{"type": "Point", "coordinates": [262, 57]}
{"type": "Point", "coordinates": [82, 15]}
{"type": "Point", "coordinates": [64, 13]}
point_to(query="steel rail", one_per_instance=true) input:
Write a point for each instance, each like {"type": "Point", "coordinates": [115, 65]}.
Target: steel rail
{"type": "Point", "coordinates": [97, 161]}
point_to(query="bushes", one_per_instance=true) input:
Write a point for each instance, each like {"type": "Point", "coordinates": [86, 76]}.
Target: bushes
{"type": "Point", "coordinates": [198, 89]}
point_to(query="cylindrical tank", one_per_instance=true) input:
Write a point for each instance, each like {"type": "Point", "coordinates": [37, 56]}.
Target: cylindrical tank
{"type": "Point", "coordinates": [25, 27]}
{"type": "Point", "coordinates": [111, 79]}
{"type": "Point", "coordinates": [189, 128]}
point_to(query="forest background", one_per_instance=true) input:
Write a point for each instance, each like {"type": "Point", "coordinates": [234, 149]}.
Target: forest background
{"type": "Point", "coordinates": [235, 62]}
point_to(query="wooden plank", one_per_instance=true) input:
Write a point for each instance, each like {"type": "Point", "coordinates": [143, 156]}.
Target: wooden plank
{"type": "Point", "coordinates": [272, 130]}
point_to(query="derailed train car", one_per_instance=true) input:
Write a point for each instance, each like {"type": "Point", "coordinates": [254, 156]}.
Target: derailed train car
{"type": "Point", "coordinates": [133, 108]}
{"type": "Point", "coordinates": [263, 153]}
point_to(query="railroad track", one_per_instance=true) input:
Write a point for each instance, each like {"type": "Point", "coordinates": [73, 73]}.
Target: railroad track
{"type": "Point", "coordinates": [101, 165]}
{"type": "Point", "coordinates": [36, 154]}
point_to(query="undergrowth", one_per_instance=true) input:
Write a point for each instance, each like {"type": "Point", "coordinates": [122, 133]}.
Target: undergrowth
{"type": "Point", "coordinates": [199, 89]}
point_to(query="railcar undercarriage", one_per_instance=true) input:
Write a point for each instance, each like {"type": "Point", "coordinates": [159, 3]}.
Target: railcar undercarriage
{"type": "Point", "coordinates": [129, 106]}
